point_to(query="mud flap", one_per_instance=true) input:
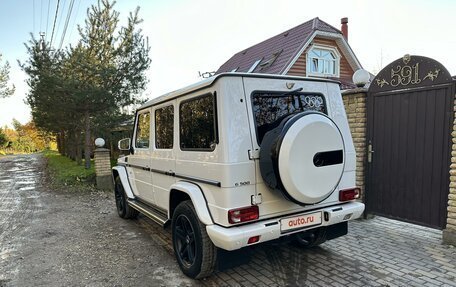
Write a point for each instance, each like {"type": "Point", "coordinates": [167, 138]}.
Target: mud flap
{"type": "Point", "coordinates": [336, 230]}
{"type": "Point", "coordinates": [233, 258]}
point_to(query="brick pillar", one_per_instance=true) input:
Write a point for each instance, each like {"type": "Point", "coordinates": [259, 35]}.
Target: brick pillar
{"type": "Point", "coordinates": [355, 107]}
{"type": "Point", "coordinates": [449, 233]}
{"type": "Point", "coordinates": [103, 168]}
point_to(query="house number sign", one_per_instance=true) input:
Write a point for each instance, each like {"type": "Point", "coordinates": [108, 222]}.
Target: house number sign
{"type": "Point", "coordinates": [405, 74]}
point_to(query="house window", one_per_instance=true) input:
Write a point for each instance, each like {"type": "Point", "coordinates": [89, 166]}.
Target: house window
{"type": "Point", "coordinates": [323, 62]}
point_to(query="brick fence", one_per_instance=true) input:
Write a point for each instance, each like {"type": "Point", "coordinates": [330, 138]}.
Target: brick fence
{"type": "Point", "coordinates": [103, 168]}
{"type": "Point", "coordinates": [449, 234]}
{"type": "Point", "coordinates": [355, 107]}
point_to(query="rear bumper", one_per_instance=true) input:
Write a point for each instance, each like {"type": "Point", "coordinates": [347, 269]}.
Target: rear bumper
{"type": "Point", "coordinates": [236, 237]}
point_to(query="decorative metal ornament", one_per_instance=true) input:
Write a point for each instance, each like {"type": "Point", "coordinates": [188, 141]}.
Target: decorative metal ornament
{"type": "Point", "coordinates": [290, 85]}
{"type": "Point", "coordinates": [406, 59]}
{"type": "Point", "coordinates": [408, 72]}
{"type": "Point", "coordinates": [432, 75]}
{"type": "Point", "coordinates": [382, 82]}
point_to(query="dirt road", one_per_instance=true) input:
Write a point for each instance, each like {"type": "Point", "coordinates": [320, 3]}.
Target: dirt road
{"type": "Point", "coordinates": [71, 238]}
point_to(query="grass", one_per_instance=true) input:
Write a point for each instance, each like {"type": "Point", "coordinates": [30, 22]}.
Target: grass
{"type": "Point", "coordinates": [10, 152]}
{"type": "Point", "coordinates": [65, 171]}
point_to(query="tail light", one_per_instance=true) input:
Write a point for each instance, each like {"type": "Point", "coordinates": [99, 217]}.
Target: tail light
{"type": "Point", "coordinates": [243, 214]}
{"type": "Point", "coordinates": [253, 239]}
{"type": "Point", "coordinates": [349, 194]}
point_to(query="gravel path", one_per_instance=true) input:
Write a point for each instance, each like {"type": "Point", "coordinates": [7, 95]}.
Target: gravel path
{"type": "Point", "coordinates": [72, 238]}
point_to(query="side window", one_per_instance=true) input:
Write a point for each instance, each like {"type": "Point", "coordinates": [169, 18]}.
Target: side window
{"type": "Point", "coordinates": [143, 131]}
{"type": "Point", "coordinates": [197, 123]}
{"type": "Point", "coordinates": [164, 127]}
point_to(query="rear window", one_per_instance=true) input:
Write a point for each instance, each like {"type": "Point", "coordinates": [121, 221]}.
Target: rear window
{"type": "Point", "coordinates": [270, 108]}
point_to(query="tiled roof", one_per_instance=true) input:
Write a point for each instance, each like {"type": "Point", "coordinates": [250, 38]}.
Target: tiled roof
{"type": "Point", "coordinates": [276, 53]}
{"type": "Point", "coordinates": [345, 84]}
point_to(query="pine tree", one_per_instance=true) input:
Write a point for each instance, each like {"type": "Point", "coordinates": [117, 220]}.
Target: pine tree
{"type": "Point", "coordinates": [5, 89]}
{"type": "Point", "coordinates": [108, 65]}
{"type": "Point", "coordinates": [85, 87]}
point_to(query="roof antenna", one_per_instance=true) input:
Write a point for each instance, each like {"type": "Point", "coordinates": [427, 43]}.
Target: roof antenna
{"type": "Point", "coordinates": [206, 75]}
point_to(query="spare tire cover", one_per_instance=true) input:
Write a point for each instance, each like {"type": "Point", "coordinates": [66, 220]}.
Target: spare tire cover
{"type": "Point", "coordinates": [307, 157]}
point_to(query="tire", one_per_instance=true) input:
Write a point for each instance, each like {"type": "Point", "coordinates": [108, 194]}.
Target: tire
{"type": "Point", "coordinates": [123, 209]}
{"type": "Point", "coordinates": [194, 251]}
{"type": "Point", "coordinates": [311, 238]}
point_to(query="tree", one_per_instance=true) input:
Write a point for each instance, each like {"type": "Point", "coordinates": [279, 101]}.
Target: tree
{"type": "Point", "coordinates": [84, 88]}
{"type": "Point", "coordinates": [49, 99]}
{"type": "Point", "coordinates": [3, 138]}
{"type": "Point", "coordinates": [24, 138]}
{"type": "Point", "coordinates": [5, 89]}
{"type": "Point", "coordinates": [29, 138]}
{"type": "Point", "coordinates": [108, 66]}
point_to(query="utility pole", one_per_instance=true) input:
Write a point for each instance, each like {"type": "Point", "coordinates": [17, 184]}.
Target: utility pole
{"type": "Point", "coordinates": [42, 44]}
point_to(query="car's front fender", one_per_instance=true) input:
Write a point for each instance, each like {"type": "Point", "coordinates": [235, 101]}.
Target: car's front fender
{"type": "Point", "coordinates": [121, 172]}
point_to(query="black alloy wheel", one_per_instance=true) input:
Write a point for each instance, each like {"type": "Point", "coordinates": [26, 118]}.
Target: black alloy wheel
{"type": "Point", "coordinates": [185, 241]}
{"type": "Point", "coordinates": [194, 250]}
{"type": "Point", "coordinates": [120, 198]}
{"type": "Point", "coordinates": [123, 209]}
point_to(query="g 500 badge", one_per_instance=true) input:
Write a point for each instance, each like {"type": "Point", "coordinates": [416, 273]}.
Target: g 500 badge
{"type": "Point", "coordinates": [242, 183]}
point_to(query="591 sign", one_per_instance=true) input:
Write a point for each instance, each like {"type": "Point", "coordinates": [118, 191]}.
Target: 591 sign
{"type": "Point", "coordinates": [406, 74]}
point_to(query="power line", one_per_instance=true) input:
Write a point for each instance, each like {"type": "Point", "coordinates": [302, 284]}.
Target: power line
{"type": "Point", "coordinates": [70, 9]}
{"type": "Point", "coordinates": [41, 13]}
{"type": "Point", "coordinates": [75, 19]}
{"type": "Point", "coordinates": [62, 11]}
{"type": "Point", "coordinates": [33, 16]}
{"type": "Point", "coordinates": [47, 21]}
{"type": "Point", "coordinates": [55, 20]}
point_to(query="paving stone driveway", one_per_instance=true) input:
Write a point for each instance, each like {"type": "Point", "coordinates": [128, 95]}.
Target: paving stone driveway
{"type": "Point", "coordinates": [376, 252]}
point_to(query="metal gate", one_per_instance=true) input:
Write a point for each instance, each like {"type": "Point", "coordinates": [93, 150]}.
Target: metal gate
{"type": "Point", "coordinates": [410, 112]}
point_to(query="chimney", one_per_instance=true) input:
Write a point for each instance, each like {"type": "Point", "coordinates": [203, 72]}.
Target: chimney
{"type": "Point", "coordinates": [344, 27]}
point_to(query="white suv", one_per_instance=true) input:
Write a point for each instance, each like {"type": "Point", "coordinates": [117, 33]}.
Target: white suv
{"type": "Point", "coordinates": [239, 159]}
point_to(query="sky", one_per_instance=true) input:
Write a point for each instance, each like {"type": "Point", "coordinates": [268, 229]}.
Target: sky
{"type": "Point", "coordinates": [192, 36]}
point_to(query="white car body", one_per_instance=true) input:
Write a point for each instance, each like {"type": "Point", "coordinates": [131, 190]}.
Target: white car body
{"type": "Point", "coordinates": [229, 177]}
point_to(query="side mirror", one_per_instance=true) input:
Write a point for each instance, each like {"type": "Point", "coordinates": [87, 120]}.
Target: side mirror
{"type": "Point", "coordinates": [124, 144]}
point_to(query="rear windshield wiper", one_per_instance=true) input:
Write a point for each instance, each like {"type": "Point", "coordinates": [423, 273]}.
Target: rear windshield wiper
{"type": "Point", "coordinates": [288, 93]}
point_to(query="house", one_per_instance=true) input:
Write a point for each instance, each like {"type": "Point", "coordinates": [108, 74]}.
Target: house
{"type": "Point", "coordinates": [313, 49]}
